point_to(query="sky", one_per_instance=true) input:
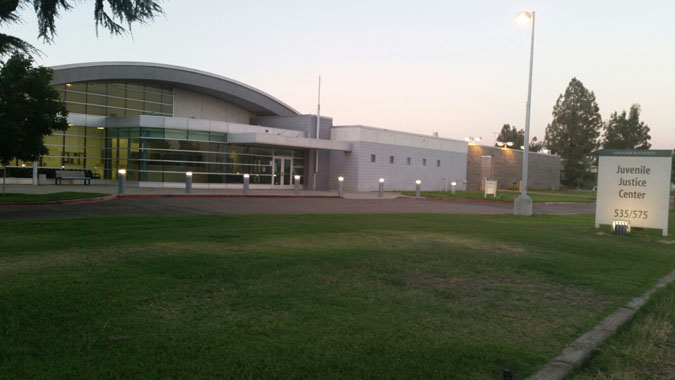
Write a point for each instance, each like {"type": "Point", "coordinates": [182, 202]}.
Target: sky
{"type": "Point", "coordinates": [459, 68]}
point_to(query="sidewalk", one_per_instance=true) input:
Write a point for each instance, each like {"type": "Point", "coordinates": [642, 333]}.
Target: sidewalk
{"type": "Point", "coordinates": [112, 189]}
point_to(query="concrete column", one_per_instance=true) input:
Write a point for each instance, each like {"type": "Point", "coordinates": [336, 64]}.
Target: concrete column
{"type": "Point", "coordinates": [121, 181]}
{"type": "Point", "coordinates": [35, 173]}
{"type": "Point", "coordinates": [188, 182]}
{"type": "Point", "coordinates": [296, 184]}
{"type": "Point", "coordinates": [246, 182]}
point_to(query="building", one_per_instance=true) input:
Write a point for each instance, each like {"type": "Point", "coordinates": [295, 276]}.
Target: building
{"type": "Point", "coordinates": [159, 121]}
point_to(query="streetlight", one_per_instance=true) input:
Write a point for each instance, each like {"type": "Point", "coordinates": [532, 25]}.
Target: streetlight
{"type": "Point", "coordinates": [523, 204]}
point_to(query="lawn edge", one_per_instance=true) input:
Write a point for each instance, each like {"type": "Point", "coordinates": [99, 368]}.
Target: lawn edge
{"type": "Point", "coordinates": [486, 201]}
{"type": "Point", "coordinates": [111, 197]}
{"type": "Point", "coordinates": [574, 355]}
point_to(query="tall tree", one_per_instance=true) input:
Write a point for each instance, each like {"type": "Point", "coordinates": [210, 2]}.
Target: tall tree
{"type": "Point", "coordinates": [573, 133]}
{"type": "Point", "coordinates": [511, 134]}
{"type": "Point", "coordinates": [536, 146]}
{"type": "Point", "coordinates": [29, 109]}
{"type": "Point", "coordinates": [116, 16]}
{"type": "Point", "coordinates": [626, 131]}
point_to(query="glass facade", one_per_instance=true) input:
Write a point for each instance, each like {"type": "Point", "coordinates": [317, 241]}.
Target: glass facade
{"type": "Point", "coordinates": [117, 98]}
{"type": "Point", "coordinates": [164, 155]}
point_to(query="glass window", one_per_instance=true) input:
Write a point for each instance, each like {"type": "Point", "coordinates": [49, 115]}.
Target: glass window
{"type": "Point", "coordinates": [134, 93]}
{"type": "Point", "coordinates": [96, 110]}
{"type": "Point", "coordinates": [198, 135]}
{"type": "Point", "coordinates": [153, 97]}
{"type": "Point", "coordinates": [372, 158]}
{"type": "Point", "coordinates": [135, 104]}
{"type": "Point", "coordinates": [153, 107]}
{"type": "Point", "coordinates": [97, 88]}
{"type": "Point", "coordinates": [171, 133]}
{"type": "Point", "coordinates": [76, 108]}
{"type": "Point", "coordinates": [407, 161]}
{"type": "Point", "coordinates": [79, 97]}
{"type": "Point", "coordinates": [78, 86]}
{"type": "Point", "coordinates": [391, 159]}
{"type": "Point", "coordinates": [424, 162]}
{"type": "Point", "coordinates": [96, 99]}
{"type": "Point", "coordinates": [116, 102]}
{"type": "Point", "coordinates": [214, 136]}
{"type": "Point", "coordinates": [117, 90]}
{"type": "Point", "coordinates": [116, 112]}
{"type": "Point", "coordinates": [152, 132]}
{"type": "Point", "coordinates": [167, 109]}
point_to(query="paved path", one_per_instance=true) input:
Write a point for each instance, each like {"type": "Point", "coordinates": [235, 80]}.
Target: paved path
{"type": "Point", "coordinates": [180, 206]}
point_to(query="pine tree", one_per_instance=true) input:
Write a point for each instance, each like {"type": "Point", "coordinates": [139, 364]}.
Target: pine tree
{"type": "Point", "coordinates": [511, 134]}
{"type": "Point", "coordinates": [626, 132]}
{"type": "Point", "coordinates": [573, 133]}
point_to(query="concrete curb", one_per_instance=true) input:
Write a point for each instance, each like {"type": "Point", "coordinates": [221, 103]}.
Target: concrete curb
{"type": "Point", "coordinates": [574, 355]}
{"type": "Point", "coordinates": [488, 201]}
{"type": "Point", "coordinates": [111, 197]}
{"type": "Point", "coordinates": [62, 202]}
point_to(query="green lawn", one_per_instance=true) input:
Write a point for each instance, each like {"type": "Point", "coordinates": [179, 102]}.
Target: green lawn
{"type": "Point", "coordinates": [509, 196]}
{"type": "Point", "coordinates": [643, 349]}
{"type": "Point", "coordinates": [310, 296]}
{"type": "Point", "coordinates": [66, 195]}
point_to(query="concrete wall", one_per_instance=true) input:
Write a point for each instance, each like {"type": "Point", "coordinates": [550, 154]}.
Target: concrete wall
{"type": "Point", "coordinates": [543, 171]}
{"type": "Point", "coordinates": [191, 104]}
{"type": "Point", "coordinates": [362, 175]}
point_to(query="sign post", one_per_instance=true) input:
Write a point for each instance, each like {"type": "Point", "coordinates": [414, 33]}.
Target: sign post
{"type": "Point", "coordinates": [634, 185]}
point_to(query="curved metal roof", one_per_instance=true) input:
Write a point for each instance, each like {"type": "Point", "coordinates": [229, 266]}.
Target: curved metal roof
{"type": "Point", "coordinates": [253, 100]}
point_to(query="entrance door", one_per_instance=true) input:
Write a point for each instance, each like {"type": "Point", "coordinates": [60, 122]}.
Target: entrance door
{"type": "Point", "coordinates": [282, 171]}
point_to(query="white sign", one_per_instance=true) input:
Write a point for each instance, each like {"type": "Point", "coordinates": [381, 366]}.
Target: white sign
{"type": "Point", "coordinates": [634, 185]}
{"type": "Point", "coordinates": [490, 188]}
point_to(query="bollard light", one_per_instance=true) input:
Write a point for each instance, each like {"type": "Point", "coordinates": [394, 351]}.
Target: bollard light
{"type": "Point", "coordinates": [246, 182]}
{"type": "Point", "coordinates": [381, 188]}
{"type": "Point", "coordinates": [296, 184]}
{"type": "Point", "coordinates": [341, 180]}
{"type": "Point", "coordinates": [381, 180]}
{"type": "Point", "coordinates": [188, 182]}
{"type": "Point", "coordinates": [453, 188]}
{"type": "Point", "coordinates": [418, 187]}
{"type": "Point", "coordinates": [121, 180]}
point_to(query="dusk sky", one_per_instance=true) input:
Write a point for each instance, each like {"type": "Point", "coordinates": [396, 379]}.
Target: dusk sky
{"type": "Point", "coordinates": [454, 67]}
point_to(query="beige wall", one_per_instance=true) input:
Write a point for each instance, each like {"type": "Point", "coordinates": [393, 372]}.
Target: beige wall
{"type": "Point", "coordinates": [191, 104]}
{"type": "Point", "coordinates": [543, 170]}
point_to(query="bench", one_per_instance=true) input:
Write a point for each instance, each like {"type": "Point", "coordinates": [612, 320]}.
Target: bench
{"type": "Point", "coordinates": [72, 174]}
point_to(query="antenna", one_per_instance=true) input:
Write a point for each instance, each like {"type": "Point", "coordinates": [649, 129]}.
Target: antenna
{"type": "Point", "coordinates": [318, 122]}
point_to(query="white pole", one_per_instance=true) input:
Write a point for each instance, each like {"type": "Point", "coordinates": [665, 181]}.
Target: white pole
{"type": "Point", "coordinates": [318, 121]}
{"type": "Point", "coordinates": [526, 151]}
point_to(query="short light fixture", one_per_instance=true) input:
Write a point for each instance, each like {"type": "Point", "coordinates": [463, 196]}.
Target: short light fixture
{"type": "Point", "coordinates": [246, 176]}
{"type": "Point", "coordinates": [453, 183]}
{"type": "Point", "coordinates": [419, 182]}
{"type": "Point", "coordinates": [499, 143]}
{"type": "Point", "coordinates": [381, 180]}
{"type": "Point", "coordinates": [23, 165]}
{"type": "Point", "coordinates": [522, 147]}
{"type": "Point", "coordinates": [297, 177]}
{"type": "Point", "coordinates": [620, 226]}
{"type": "Point", "coordinates": [472, 140]}
{"type": "Point", "coordinates": [189, 174]}
{"type": "Point", "coordinates": [69, 85]}
{"type": "Point", "coordinates": [341, 179]}
{"type": "Point", "coordinates": [100, 128]}
{"type": "Point", "coordinates": [510, 143]}
{"type": "Point", "coordinates": [122, 171]}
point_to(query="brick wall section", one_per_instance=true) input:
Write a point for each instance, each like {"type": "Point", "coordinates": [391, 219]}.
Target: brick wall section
{"type": "Point", "coordinates": [543, 171]}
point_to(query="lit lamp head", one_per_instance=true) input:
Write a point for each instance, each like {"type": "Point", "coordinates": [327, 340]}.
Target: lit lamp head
{"type": "Point", "coordinates": [523, 17]}
{"type": "Point", "coordinates": [467, 139]}
{"type": "Point", "coordinates": [522, 147]}
{"type": "Point", "coordinates": [297, 177]}
{"type": "Point", "coordinates": [499, 143]}
{"type": "Point", "coordinates": [189, 174]}
{"type": "Point", "coordinates": [246, 176]}
{"type": "Point", "coordinates": [341, 179]}
{"type": "Point", "coordinates": [509, 144]}
{"type": "Point", "coordinates": [419, 182]}
{"type": "Point", "coordinates": [122, 171]}
{"type": "Point", "coordinates": [381, 180]}
{"type": "Point", "coordinates": [453, 183]}
{"type": "Point", "coordinates": [477, 139]}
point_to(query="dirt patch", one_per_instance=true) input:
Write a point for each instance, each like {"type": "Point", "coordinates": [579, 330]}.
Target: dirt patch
{"type": "Point", "coordinates": [667, 242]}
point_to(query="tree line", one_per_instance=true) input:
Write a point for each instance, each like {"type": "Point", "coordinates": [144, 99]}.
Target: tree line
{"type": "Point", "coordinates": [577, 131]}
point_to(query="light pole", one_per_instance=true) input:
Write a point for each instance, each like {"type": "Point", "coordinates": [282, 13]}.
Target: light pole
{"type": "Point", "coordinates": [523, 204]}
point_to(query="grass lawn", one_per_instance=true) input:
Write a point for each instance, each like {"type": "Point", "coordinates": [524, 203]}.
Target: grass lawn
{"type": "Point", "coordinates": [509, 196]}
{"type": "Point", "coordinates": [62, 196]}
{"type": "Point", "coordinates": [643, 349]}
{"type": "Point", "coordinates": [310, 296]}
